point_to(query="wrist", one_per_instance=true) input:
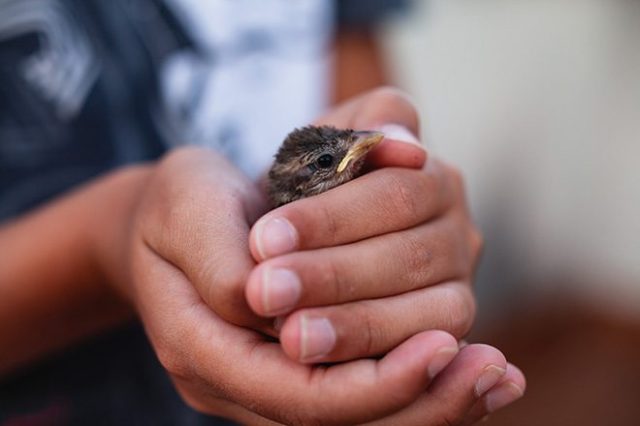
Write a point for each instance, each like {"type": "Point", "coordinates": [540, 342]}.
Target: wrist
{"type": "Point", "coordinates": [110, 228]}
{"type": "Point", "coordinates": [66, 244]}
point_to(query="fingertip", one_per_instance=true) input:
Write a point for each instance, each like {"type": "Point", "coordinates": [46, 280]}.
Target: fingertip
{"type": "Point", "coordinates": [478, 366]}
{"type": "Point", "coordinates": [272, 290]}
{"type": "Point", "coordinates": [516, 375]}
{"type": "Point", "coordinates": [441, 360]}
{"type": "Point", "coordinates": [504, 394]}
{"type": "Point", "coordinates": [399, 132]}
{"type": "Point", "coordinates": [489, 353]}
{"type": "Point", "coordinates": [272, 236]}
{"type": "Point", "coordinates": [395, 153]}
{"type": "Point", "coordinates": [509, 389]}
{"type": "Point", "coordinates": [253, 248]}
{"type": "Point", "coordinates": [429, 352]}
{"type": "Point", "coordinates": [290, 337]}
{"type": "Point", "coordinates": [252, 291]}
{"type": "Point", "coordinates": [403, 148]}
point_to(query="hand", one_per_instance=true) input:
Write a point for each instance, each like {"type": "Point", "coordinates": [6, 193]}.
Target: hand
{"type": "Point", "coordinates": [195, 214]}
{"type": "Point", "coordinates": [197, 210]}
{"type": "Point", "coordinates": [359, 269]}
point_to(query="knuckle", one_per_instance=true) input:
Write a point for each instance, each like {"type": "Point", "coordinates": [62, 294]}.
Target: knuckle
{"type": "Point", "coordinates": [456, 173]}
{"type": "Point", "coordinates": [389, 94]}
{"type": "Point", "coordinates": [418, 256]}
{"type": "Point", "coordinates": [225, 291]}
{"type": "Point", "coordinates": [477, 242]}
{"type": "Point", "coordinates": [223, 282]}
{"type": "Point", "coordinates": [450, 420]}
{"type": "Point", "coordinates": [330, 227]}
{"type": "Point", "coordinates": [470, 308]}
{"type": "Point", "coordinates": [371, 336]}
{"type": "Point", "coordinates": [172, 360]}
{"type": "Point", "coordinates": [401, 191]}
{"type": "Point", "coordinates": [342, 291]}
{"type": "Point", "coordinates": [460, 308]}
{"type": "Point", "coordinates": [395, 99]}
{"type": "Point", "coordinates": [457, 178]}
{"type": "Point", "coordinates": [369, 333]}
{"type": "Point", "coordinates": [450, 169]}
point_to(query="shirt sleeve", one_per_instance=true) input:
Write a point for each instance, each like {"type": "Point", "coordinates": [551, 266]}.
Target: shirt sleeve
{"type": "Point", "coordinates": [364, 13]}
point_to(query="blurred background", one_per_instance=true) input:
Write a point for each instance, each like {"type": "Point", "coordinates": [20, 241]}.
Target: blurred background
{"type": "Point", "coordinates": [539, 103]}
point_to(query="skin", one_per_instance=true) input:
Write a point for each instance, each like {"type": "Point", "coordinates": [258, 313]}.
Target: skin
{"type": "Point", "coordinates": [177, 243]}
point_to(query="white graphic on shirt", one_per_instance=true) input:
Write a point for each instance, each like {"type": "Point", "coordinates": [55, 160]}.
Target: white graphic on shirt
{"type": "Point", "coordinates": [260, 69]}
{"type": "Point", "coordinates": [65, 67]}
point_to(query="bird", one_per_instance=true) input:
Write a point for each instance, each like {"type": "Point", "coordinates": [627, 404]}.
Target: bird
{"type": "Point", "coordinates": [314, 159]}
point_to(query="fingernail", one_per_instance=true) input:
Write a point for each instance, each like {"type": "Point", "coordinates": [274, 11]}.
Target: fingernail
{"type": "Point", "coordinates": [489, 377]}
{"type": "Point", "coordinates": [502, 396]}
{"type": "Point", "coordinates": [275, 237]}
{"type": "Point", "coordinates": [441, 359]}
{"type": "Point", "coordinates": [400, 133]}
{"type": "Point", "coordinates": [280, 290]}
{"type": "Point", "coordinates": [317, 338]}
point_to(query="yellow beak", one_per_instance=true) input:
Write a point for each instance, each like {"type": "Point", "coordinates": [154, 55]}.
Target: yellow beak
{"type": "Point", "coordinates": [364, 142]}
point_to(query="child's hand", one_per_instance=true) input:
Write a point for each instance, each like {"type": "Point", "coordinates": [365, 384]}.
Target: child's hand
{"type": "Point", "coordinates": [195, 214]}
{"type": "Point", "coordinates": [359, 269]}
{"type": "Point", "coordinates": [189, 252]}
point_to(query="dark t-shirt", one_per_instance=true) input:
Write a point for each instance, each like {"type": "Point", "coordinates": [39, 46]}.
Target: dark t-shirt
{"type": "Point", "coordinates": [79, 96]}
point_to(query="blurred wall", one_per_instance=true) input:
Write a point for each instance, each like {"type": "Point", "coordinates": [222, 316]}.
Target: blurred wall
{"type": "Point", "coordinates": [539, 103]}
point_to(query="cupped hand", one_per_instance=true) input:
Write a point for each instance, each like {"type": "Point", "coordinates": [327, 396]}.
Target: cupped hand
{"type": "Point", "coordinates": [191, 234]}
{"type": "Point", "coordinates": [227, 370]}
{"type": "Point", "coordinates": [357, 270]}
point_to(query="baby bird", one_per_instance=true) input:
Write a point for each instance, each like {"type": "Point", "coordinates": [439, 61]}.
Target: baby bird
{"type": "Point", "coordinates": [315, 159]}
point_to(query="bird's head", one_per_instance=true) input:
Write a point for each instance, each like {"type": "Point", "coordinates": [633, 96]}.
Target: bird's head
{"type": "Point", "coordinates": [314, 159]}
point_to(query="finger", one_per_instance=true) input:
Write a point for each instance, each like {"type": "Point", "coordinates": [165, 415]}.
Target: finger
{"type": "Point", "coordinates": [422, 256]}
{"type": "Point", "coordinates": [400, 148]}
{"type": "Point", "coordinates": [199, 220]}
{"type": "Point", "coordinates": [395, 153]}
{"type": "Point", "coordinates": [191, 341]}
{"type": "Point", "coordinates": [350, 393]}
{"type": "Point", "coordinates": [454, 392]}
{"type": "Point", "coordinates": [386, 200]}
{"type": "Point", "coordinates": [509, 389]}
{"type": "Point", "coordinates": [372, 327]}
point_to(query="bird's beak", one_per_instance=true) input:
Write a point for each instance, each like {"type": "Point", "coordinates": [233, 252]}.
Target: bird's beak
{"type": "Point", "coordinates": [364, 142]}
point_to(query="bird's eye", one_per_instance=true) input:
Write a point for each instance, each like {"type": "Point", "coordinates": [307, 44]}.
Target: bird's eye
{"type": "Point", "coordinates": [325, 161]}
